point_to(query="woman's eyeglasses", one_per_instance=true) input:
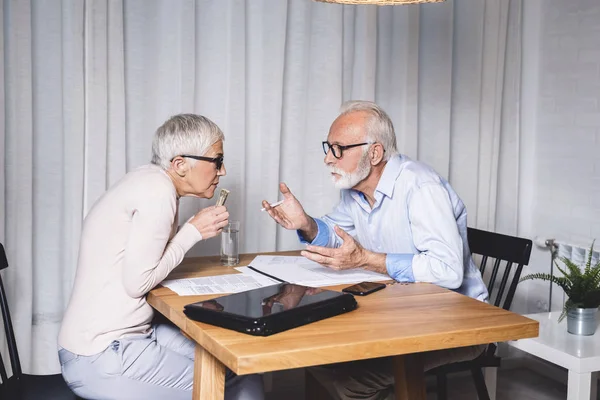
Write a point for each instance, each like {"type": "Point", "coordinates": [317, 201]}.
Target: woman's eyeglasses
{"type": "Point", "coordinates": [217, 160]}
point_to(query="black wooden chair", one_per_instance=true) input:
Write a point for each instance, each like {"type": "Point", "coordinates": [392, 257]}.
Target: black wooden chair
{"type": "Point", "coordinates": [21, 386]}
{"type": "Point", "coordinates": [505, 249]}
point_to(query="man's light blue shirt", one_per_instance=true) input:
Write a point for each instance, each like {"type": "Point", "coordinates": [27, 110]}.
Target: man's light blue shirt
{"type": "Point", "coordinates": [417, 220]}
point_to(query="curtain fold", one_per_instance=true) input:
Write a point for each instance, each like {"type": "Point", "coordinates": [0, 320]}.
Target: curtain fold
{"type": "Point", "coordinates": [84, 85]}
{"type": "Point", "coordinates": [18, 167]}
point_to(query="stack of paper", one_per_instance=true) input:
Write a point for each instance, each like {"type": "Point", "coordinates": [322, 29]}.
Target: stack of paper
{"type": "Point", "coordinates": [302, 271]}
{"type": "Point", "coordinates": [263, 269]}
{"type": "Point", "coordinates": [232, 283]}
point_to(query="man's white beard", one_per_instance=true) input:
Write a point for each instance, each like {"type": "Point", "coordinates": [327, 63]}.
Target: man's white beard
{"type": "Point", "coordinates": [349, 180]}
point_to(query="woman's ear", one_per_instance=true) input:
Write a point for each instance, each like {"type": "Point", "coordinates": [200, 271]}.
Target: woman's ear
{"type": "Point", "coordinates": [180, 166]}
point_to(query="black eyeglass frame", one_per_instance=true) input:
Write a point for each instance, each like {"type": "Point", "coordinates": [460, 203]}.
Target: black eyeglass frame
{"type": "Point", "coordinates": [217, 160]}
{"type": "Point", "coordinates": [328, 146]}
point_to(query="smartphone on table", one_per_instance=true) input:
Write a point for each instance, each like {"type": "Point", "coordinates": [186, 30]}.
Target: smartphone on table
{"type": "Point", "coordinates": [364, 288]}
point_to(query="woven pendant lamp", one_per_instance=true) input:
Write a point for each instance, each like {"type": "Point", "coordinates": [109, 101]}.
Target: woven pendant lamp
{"type": "Point", "coordinates": [380, 2]}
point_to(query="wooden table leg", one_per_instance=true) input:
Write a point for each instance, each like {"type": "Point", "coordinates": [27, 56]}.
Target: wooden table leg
{"type": "Point", "coordinates": [209, 376]}
{"type": "Point", "coordinates": [409, 378]}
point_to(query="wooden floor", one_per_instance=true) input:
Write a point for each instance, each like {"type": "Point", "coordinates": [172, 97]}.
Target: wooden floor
{"type": "Point", "coordinates": [513, 384]}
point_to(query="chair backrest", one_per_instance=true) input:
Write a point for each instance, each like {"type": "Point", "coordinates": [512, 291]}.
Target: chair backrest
{"type": "Point", "coordinates": [8, 329]}
{"type": "Point", "coordinates": [504, 249]}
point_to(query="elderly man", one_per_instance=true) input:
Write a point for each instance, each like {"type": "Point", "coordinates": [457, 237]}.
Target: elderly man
{"type": "Point", "coordinates": [396, 217]}
{"type": "Point", "coordinates": [130, 242]}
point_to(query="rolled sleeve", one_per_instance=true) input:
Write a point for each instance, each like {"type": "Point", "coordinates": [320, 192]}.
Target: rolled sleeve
{"type": "Point", "coordinates": [323, 232]}
{"type": "Point", "coordinates": [399, 267]}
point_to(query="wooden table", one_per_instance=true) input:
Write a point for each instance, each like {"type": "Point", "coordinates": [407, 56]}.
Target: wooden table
{"type": "Point", "coordinates": [400, 321]}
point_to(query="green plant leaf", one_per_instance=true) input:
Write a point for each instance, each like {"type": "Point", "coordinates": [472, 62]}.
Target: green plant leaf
{"type": "Point", "coordinates": [588, 264]}
{"type": "Point", "coordinates": [574, 270]}
{"type": "Point", "coordinates": [562, 271]}
{"type": "Point", "coordinates": [595, 276]}
{"type": "Point", "coordinates": [560, 281]}
{"type": "Point", "coordinates": [592, 299]}
{"type": "Point", "coordinates": [569, 305]}
{"type": "Point", "coordinates": [582, 287]}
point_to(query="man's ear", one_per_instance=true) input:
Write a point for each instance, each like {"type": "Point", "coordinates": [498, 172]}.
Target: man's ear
{"type": "Point", "coordinates": [376, 153]}
{"type": "Point", "coordinates": [180, 166]}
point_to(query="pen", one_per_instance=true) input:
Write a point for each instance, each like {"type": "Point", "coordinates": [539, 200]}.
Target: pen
{"type": "Point", "coordinates": [273, 205]}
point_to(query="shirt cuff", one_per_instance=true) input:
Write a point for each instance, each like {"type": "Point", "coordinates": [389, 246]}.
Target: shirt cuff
{"type": "Point", "coordinates": [187, 236]}
{"type": "Point", "coordinates": [399, 267]}
{"type": "Point", "coordinates": [322, 238]}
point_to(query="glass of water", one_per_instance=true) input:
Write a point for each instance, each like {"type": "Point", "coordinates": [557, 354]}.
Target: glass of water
{"type": "Point", "coordinates": [230, 239]}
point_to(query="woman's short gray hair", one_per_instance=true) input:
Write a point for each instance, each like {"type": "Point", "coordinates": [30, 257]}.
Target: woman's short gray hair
{"type": "Point", "coordinates": [184, 134]}
{"type": "Point", "coordinates": [379, 127]}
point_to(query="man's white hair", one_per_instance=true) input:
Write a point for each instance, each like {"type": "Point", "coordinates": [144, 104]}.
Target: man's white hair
{"type": "Point", "coordinates": [188, 134]}
{"type": "Point", "coordinates": [379, 126]}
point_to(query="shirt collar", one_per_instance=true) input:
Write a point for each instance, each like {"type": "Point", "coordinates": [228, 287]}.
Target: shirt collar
{"type": "Point", "coordinates": [385, 186]}
{"type": "Point", "coordinates": [387, 182]}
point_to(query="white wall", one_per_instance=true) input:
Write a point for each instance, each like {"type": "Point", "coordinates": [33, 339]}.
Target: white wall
{"type": "Point", "coordinates": [560, 191]}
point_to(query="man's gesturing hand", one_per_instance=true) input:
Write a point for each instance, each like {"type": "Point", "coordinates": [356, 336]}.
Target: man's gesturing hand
{"type": "Point", "coordinates": [349, 255]}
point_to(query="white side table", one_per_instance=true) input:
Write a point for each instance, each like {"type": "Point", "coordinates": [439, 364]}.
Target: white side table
{"type": "Point", "coordinates": [578, 354]}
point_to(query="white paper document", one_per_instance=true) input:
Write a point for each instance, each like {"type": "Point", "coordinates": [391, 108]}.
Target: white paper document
{"type": "Point", "coordinates": [302, 271]}
{"type": "Point", "coordinates": [232, 283]}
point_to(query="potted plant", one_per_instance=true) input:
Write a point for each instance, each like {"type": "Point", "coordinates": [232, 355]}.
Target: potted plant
{"type": "Point", "coordinates": [583, 290]}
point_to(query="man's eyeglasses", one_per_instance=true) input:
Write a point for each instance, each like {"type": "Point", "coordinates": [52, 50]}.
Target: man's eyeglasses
{"type": "Point", "coordinates": [337, 150]}
{"type": "Point", "coordinates": [217, 160]}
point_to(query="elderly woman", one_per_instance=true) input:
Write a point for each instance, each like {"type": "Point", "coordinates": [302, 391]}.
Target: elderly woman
{"type": "Point", "coordinates": [130, 242]}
